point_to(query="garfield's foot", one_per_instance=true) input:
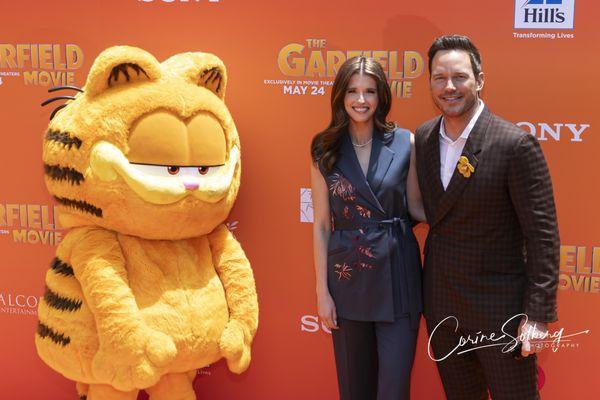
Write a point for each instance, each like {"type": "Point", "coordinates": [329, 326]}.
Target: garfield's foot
{"type": "Point", "coordinates": [173, 387]}
{"type": "Point", "coordinates": [192, 376]}
{"type": "Point", "coordinates": [105, 392]}
{"type": "Point", "coordinates": [82, 390]}
{"type": "Point", "coordinates": [138, 366]}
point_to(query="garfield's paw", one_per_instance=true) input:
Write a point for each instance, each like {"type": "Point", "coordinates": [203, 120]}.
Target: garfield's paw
{"type": "Point", "coordinates": [160, 349]}
{"type": "Point", "coordinates": [235, 348]}
{"type": "Point", "coordinates": [138, 364]}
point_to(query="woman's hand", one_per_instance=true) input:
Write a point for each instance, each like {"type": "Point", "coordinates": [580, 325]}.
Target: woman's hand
{"type": "Point", "coordinates": [326, 310]}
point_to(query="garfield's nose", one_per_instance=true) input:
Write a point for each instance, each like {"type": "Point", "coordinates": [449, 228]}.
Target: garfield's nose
{"type": "Point", "coordinates": [191, 185]}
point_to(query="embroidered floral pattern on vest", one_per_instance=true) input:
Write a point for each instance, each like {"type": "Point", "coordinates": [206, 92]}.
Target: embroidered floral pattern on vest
{"type": "Point", "coordinates": [341, 188]}
{"type": "Point", "coordinates": [343, 271]}
{"type": "Point", "coordinates": [364, 212]}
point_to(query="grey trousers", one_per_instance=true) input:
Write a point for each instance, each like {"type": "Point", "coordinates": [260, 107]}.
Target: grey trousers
{"type": "Point", "coordinates": [374, 359]}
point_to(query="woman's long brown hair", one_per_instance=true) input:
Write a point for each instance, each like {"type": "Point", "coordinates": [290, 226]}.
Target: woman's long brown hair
{"type": "Point", "coordinates": [325, 145]}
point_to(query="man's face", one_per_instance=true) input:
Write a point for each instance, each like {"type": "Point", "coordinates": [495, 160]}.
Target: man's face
{"type": "Point", "coordinates": [454, 88]}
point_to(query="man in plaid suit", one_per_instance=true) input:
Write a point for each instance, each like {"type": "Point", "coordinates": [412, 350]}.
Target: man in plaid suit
{"type": "Point", "coordinates": [491, 256]}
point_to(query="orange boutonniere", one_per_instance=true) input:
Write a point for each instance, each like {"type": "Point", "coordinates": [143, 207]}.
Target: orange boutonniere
{"type": "Point", "coordinates": [464, 167]}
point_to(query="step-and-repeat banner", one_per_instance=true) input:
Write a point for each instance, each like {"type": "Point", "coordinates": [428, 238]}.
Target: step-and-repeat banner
{"type": "Point", "coordinates": [541, 66]}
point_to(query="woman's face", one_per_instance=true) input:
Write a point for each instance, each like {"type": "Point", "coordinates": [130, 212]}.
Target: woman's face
{"type": "Point", "coordinates": [361, 100]}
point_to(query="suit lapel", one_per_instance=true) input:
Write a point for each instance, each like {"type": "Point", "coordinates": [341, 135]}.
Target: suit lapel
{"type": "Point", "coordinates": [350, 167]}
{"type": "Point", "coordinates": [432, 163]}
{"type": "Point", "coordinates": [458, 183]}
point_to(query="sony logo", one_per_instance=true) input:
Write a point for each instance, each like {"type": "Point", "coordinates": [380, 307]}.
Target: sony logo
{"type": "Point", "coordinates": [310, 324]}
{"type": "Point", "coordinates": [542, 131]}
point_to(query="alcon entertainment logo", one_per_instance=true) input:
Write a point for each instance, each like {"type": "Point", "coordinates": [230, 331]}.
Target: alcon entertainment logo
{"type": "Point", "coordinates": [544, 14]}
{"type": "Point", "coordinates": [18, 304]}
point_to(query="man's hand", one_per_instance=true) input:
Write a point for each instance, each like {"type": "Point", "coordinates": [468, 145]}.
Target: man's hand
{"type": "Point", "coordinates": [532, 336]}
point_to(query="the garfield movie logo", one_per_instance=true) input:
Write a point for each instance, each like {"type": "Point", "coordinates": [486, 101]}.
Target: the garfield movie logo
{"type": "Point", "coordinates": [579, 269]}
{"type": "Point", "coordinates": [31, 223]}
{"type": "Point", "coordinates": [313, 62]}
{"type": "Point", "coordinates": [42, 64]}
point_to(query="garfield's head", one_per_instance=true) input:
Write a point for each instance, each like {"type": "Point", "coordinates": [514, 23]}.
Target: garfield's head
{"type": "Point", "coordinates": [147, 148]}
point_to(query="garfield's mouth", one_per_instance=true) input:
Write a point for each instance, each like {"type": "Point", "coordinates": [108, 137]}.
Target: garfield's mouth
{"type": "Point", "coordinates": [158, 184]}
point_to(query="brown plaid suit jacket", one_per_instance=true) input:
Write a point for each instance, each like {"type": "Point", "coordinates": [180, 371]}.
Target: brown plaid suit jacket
{"type": "Point", "coordinates": [493, 248]}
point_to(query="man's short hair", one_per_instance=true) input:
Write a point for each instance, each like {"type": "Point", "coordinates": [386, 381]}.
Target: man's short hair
{"type": "Point", "coordinates": [456, 42]}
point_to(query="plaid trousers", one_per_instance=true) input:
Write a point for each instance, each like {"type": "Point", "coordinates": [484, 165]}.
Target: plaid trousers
{"type": "Point", "coordinates": [474, 374]}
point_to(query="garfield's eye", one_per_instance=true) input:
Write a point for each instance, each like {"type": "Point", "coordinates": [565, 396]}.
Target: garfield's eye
{"type": "Point", "coordinates": [173, 170]}
{"type": "Point", "coordinates": [203, 170]}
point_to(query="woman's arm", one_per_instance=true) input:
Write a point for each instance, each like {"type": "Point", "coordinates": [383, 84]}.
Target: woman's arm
{"type": "Point", "coordinates": [321, 233]}
{"type": "Point", "coordinates": [415, 201]}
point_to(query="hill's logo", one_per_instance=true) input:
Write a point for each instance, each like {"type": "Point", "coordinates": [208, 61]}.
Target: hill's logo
{"type": "Point", "coordinates": [544, 14]}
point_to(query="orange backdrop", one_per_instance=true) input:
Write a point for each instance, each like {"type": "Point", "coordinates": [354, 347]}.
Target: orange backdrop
{"type": "Point", "coordinates": [280, 58]}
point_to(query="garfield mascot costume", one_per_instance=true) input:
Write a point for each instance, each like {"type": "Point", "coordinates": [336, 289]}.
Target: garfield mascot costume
{"type": "Point", "coordinates": [149, 284]}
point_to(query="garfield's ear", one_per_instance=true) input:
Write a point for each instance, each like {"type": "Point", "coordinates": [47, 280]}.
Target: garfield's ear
{"type": "Point", "coordinates": [214, 80]}
{"type": "Point", "coordinates": [202, 69]}
{"type": "Point", "coordinates": [121, 65]}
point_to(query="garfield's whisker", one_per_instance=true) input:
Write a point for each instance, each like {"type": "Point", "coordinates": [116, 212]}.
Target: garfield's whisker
{"type": "Point", "coordinates": [53, 99]}
{"type": "Point", "coordinates": [69, 87]}
{"type": "Point", "coordinates": [57, 109]}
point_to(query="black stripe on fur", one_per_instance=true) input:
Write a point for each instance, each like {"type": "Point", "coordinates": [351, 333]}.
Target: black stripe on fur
{"type": "Point", "coordinates": [63, 138]}
{"type": "Point", "coordinates": [122, 69]}
{"type": "Point", "coordinates": [59, 173]}
{"type": "Point", "coordinates": [80, 205]}
{"type": "Point", "coordinates": [59, 302]}
{"type": "Point", "coordinates": [44, 331]}
{"type": "Point", "coordinates": [61, 267]}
